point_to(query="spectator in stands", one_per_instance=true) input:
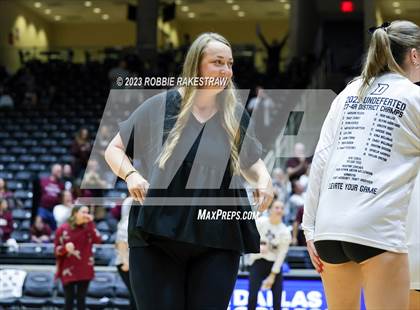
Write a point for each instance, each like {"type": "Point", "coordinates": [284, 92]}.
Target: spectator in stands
{"type": "Point", "coordinates": [6, 100]}
{"type": "Point", "coordinates": [73, 249]}
{"type": "Point", "coordinates": [6, 221]}
{"type": "Point", "coordinates": [40, 231]}
{"type": "Point", "coordinates": [296, 201]}
{"type": "Point", "coordinates": [62, 211]}
{"type": "Point", "coordinates": [121, 246]}
{"type": "Point", "coordinates": [280, 184]}
{"type": "Point", "coordinates": [81, 149]}
{"type": "Point", "coordinates": [4, 191]}
{"type": "Point", "coordinates": [186, 43]}
{"type": "Point", "coordinates": [273, 53]}
{"type": "Point", "coordinates": [48, 95]}
{"type": "Point", "coordinates": [51, 188]}
{"type": "Point", "coordinates": [266, 266]}
{"type": "Point", "coordinates": [119, 71]}
{"type": "Point", "coordinates": [263, 106]}
{"type": "Point", "coordinates": [304, 178]}
{"type": "Point", "coordinates": [104, 137]}
{"type": "Point", "coordinates": [93, 177]}
{"type": "Point", "coordinates": [297, 165]}
{"type": "Point", "coordinates": [298, 237]}
{"type": "Point", "coordinates": [68, 178]}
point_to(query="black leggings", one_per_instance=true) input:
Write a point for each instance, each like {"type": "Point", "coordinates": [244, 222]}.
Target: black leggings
{"type": "Point", "coordinates": [125, 276]}
{"type": "Point", "coordinates": [339, 252]}
{"type": "Point", "coordinates": [173, 275]}
{"type": "Point", "coordinates": [75, 290]}
{"type": "Point", "coordinates": [260, 270]}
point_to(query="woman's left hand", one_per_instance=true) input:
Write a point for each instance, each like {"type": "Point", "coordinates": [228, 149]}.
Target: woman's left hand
{"type": "Point", "coordinates": [268, 282]}
{"type": "Point", "coordinates": [88, 218]}
{"type": "Point", "coordinates": [263, 197]}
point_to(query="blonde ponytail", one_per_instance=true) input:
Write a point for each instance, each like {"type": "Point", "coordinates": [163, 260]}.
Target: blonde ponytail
{"type": "Point", "coordinates": [387, 49]}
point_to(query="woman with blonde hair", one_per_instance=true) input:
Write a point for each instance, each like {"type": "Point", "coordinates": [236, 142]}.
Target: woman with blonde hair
{"type": "Point", "coordinates": [363, 173]}
{"type": "Point", "coordinates": [182, 254]}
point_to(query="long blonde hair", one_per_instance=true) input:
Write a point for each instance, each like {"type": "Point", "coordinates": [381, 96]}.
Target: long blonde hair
{"type": "Point", "coordinates": [388, 47]}
{"type": "Point", "coordinates": [229, 120]}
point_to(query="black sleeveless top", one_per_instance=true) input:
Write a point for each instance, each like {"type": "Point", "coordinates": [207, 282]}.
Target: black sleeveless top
{"type": "Point", "coordinates": [196, 177]}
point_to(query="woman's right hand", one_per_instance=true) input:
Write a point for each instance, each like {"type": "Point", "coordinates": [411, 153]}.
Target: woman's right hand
{"type": "Point", "coordinates": [137, 186]}
{"type": "Point", "coordinates": [69, 247]}
{"type": "Point", "coordinates": [316, 261]}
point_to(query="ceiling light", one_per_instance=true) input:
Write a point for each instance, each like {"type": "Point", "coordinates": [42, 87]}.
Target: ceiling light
{"type": "Point", "coordinates": [229, 1]}
{"type": "Point", "coordinates": [97, 10]}
{"type": "Point", "coordinates": [178, 2]}
{"type": "Point", "coordinates": [241, 14]}
{"type": "Point", "coordinates": [105, 16]}
{"type": "Point", "coordinates": [57, 17]}
{"type": "Point", "coordinates": [88, 4]}
{"type": "Point", "coordinates": [48, 11]}
{"type": "Point", "coordinates": [398, 11]}
{"type": "Point", "coordinates": [396, 4]}
{"type": "Point", "coordinates": [37, 5]}
{"type": "Point", "coordinates": [185, 8]}
{"type": "Point", "coordinates": [287, 6]}
{"type": "Point", "coordinates": [191, 14]}
{"type": "Point", "coordinates": [235, 7]}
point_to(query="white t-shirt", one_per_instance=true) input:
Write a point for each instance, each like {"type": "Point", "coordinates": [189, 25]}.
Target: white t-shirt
{"type": "Point", "coordinates": [277, 239]}
{"type": "Point", "coordinates": [364, 166]}
{"type": "Point", "coordinates": [413, 236]}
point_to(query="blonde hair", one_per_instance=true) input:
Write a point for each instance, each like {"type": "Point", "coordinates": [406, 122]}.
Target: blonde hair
{"type": "Point", "coordinates": [228, 104]}
{"type": "Point", "coordinates": [387, 51]}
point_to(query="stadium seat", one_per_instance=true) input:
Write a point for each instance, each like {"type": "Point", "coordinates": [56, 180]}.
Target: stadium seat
{"type": "Point", "coordinates": [20, 135]}
{"type": "Point", "coordinates": [66, 158]}
{"type": "Point", "coordinates": [104, 255]}
{"type": "Point", "coordinates": [101, 289]}
{"type": "Point", "coordinates": [120, 288]}
{"type": "Point", "coordinates": [103, 227]}
{"type": "Point", "coordinates": [58, 300]}
{"type": "Point", "coordinates": [25, 225]}
{"type": "Point", "coordinates": [23, 175]}
{"type": "Point", "coordinates": [36, 167]}
{"type": "Point", "coordinates": [27, 158]}
{"type": "Point", "coordinates": [47, 159]}
{"type": "Point", "coordinates": [48, 142]}
{"type": "Point", "coordinates": [38, 289]}
{"type": "Point", "coordinates": [15, 185]}
{"type": "Point", "coordinates": [18, 150]}
{"type": "Point", "coordinates": [23, 194]}
{"type": "Point", "coordinates": [4, 135]}
{"type": "Point", "coordinates": [120, 303]}
{"type": "Point", "coordinates": [298, 259]}
{"type": "Point", "coordinates": [29, 142]}
{"type": "Point", "coordinates": [7, 158]}
{"type": "Point", "coordinates": [15, 167]}
{"type": "Point", "coordinates": [7, 303]}
{"type": "Point", "coordinates": [6, 175]}
{"type": "Point", "coordinates": [20, 214]}
{"type": "Point", "coordinates": [21, 236]}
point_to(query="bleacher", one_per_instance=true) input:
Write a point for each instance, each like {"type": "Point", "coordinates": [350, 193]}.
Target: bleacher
{"type": "Point", "coordinates": [106, 291]}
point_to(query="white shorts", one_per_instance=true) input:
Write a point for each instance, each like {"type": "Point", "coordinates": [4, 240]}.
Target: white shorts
{"type": "Point", "coordinates": [413, 236]}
